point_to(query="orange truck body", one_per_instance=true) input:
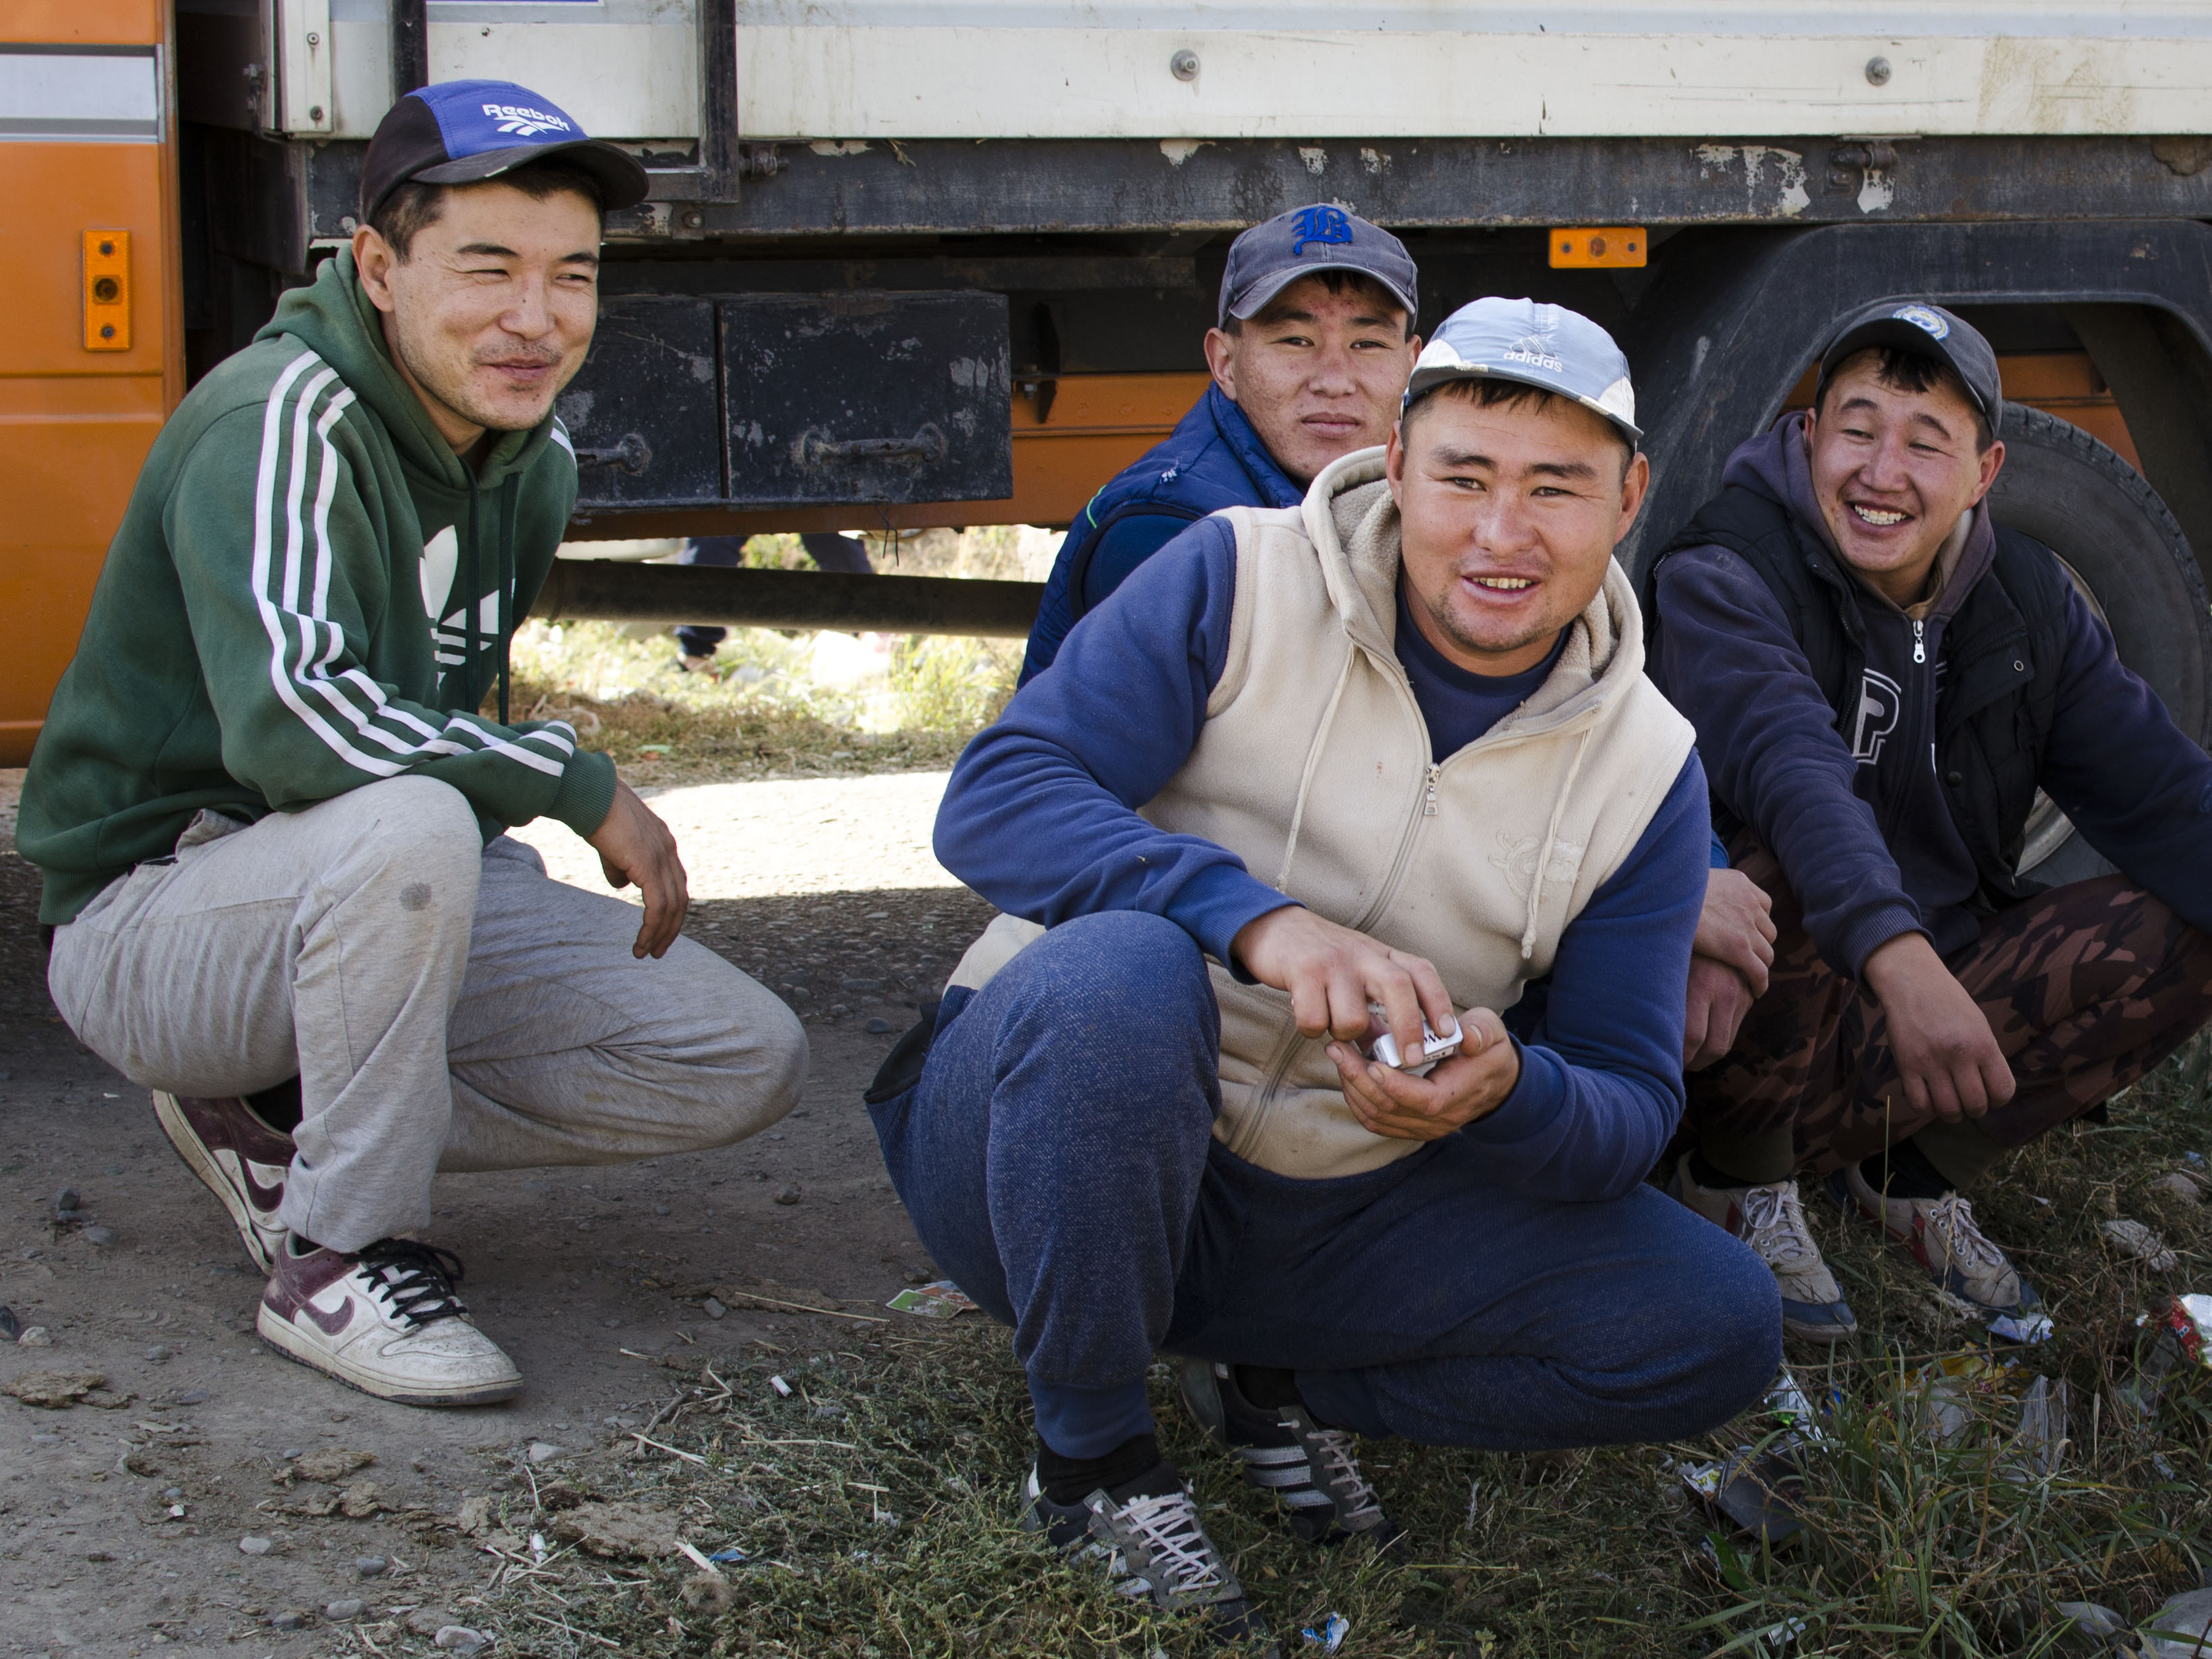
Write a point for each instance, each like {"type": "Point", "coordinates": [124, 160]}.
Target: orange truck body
{"type": "Point", "coordinates": [78, 411]}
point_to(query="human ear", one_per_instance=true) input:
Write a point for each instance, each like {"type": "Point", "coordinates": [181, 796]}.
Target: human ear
{"type": "Point", "coordinates": [1221, 360]}
{"type": "Point", "coordinates": [372, 260]}
{"type": "Point", "coordinates": [1635, 484]}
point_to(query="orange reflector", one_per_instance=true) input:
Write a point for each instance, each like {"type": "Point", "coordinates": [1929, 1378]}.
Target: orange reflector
{"type": "Point", "coordinates": [107, 290]}
{"type": "Point", "coordinates": [1584, 246]}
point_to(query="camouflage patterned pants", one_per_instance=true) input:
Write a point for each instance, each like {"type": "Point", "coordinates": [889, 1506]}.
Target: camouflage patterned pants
{"type": "Point", "coordinates": [2087, 987]}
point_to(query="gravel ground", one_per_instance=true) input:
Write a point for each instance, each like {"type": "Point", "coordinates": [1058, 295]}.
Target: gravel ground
{"type": "Point", "coordinates": [123, 1527]}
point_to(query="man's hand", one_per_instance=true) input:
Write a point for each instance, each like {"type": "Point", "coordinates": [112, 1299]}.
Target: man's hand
{"type": "Point", "coordinates": [1474, 1083]}
{"type": "Point", "coordinates": [1946, 1055]}
{"type": "Point", "coordinates": [1713, 1012]}
{"type": "Point", "coordinates": [635, 846]}
{"type": "Point", "coordinates": [1736, 926]}
{"type": "Point", "coordinates": [1333, 973]}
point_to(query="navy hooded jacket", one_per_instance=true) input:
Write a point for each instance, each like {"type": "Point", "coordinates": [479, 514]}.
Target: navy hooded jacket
{"type": "Point", "coordinates": [1212, 459]}
{"type": "Point", "coordinates": [1863, 830]}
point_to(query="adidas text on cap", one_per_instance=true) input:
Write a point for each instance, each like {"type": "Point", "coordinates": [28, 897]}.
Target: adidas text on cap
{"type": "Point", "coordinates": [1542, 345]}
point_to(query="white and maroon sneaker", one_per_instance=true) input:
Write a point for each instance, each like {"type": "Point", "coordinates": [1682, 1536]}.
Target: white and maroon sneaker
{"type": "Point", "coordinates": [1944, 1238]}
{"type": "Point", "coordinates": [384, 1320]}
{"type": "Point", "coordinates": [241, 1160]}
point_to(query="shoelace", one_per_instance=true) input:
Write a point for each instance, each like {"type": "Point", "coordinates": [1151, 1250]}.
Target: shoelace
{"type": "Point", "coordinates": [1775, 1224]}
{"type": "Point", "coordinates": [1331, 1448]}
{"type": "Point", "coordinates": [1953, 1216]}
{"type": "Point", "coordinates": [417, 1278]}
{"type": "Point", "coordinates": [1175, 1546]}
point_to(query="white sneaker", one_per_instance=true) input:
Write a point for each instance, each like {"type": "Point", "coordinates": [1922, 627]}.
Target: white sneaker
{"type": "Point", "coordinates": [241, 1159]}
{"type": "Point", "coordinates": [1772, 1221]}
{"type": "Point", "coordinates": [384, 1320]}
{"type": "Point", "coordinates": [1944, 1237]}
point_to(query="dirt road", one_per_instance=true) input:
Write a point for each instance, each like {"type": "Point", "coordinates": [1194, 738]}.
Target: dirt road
{"type": "Point", "coordinates": [121, 1517]}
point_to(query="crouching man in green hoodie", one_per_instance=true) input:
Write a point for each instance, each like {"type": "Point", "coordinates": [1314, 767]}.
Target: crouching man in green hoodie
{"type": "Point", "coordinates": [269, 815]}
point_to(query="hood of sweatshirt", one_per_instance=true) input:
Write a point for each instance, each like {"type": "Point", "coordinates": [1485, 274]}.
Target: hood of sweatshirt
{"type": "Point", "coordinates": [1353, 525]}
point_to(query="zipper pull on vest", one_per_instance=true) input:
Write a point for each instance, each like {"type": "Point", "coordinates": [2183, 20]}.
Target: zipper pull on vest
{"type": "Point", "coordinates": [1919, 641]}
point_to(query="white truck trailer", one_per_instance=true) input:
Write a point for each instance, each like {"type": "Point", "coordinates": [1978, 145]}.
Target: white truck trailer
{"type": "Point", "coordinates": [927, 262]}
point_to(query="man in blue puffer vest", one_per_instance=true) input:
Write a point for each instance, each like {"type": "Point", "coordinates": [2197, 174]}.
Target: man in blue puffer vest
{"type": "Point", "coordinates": [1309, 358]}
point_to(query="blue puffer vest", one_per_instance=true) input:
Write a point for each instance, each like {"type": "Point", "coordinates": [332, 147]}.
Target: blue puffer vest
{"type": "Point", "coordinates": [1212, 459]}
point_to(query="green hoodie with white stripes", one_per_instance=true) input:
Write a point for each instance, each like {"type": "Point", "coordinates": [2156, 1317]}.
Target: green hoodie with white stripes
{"type": "Point", "coordinates": [309, 591]}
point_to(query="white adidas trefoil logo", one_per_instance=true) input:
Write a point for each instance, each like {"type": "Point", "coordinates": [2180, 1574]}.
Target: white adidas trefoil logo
{"type": "Point", "coordinates": [1517, 857]}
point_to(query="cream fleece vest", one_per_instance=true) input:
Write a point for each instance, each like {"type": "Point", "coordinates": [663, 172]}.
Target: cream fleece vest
{"type": "Point", "coordinates": [1313, 766]}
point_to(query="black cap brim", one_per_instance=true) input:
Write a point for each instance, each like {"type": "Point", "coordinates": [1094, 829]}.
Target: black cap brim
{"type": "Point", "coordinates": [620, 175]}
{"type": "Point", "coordinates": [1256, 296]}
{"type": "Point", "coordinates": [1908, 337]}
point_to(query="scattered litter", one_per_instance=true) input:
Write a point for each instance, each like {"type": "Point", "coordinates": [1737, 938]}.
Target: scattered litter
{"type": "Point", "coordinates": [2179, 1342]}
{"type": "Point", "coordinates": [1762, 1491]}
{"type": "Point", "coordinates": [705, 1563]}
{"type": "Point", "coordinates": [55, 1390]}
{"type": "Point", "coordinates": [254, 1545]}
{"type": "Point", "coordinates": [1329, 1635]}
{"type": "Point", "coordinates": [723, 1557]}
{"type": "Point", "coordinates": [613, 1529]}
{"type": "Point", "coordinates": [713, 1309]}
{"type": "Point", "coordinates": [36, 1336]}
{"type": "Point", "coordinates": [1787, 1634]}
{"type": "Point", "coordinates": [2194, 1158]}
{"type": "Point", "coordinates": [2133, 1238]}
{"type": "Point", "coordinates": [1787, 1403]}
{"type": "Point", "coordinates": [1474, 1501]}
{"type": "Point", "coordinates": [781, 1388]}
{"type": "Point", "coordinates": [2180, 1627]}
{"type": "Point", "coordinates": [941, 1299]}
{"type": "Point", "coordinates": [2094, 1620]}
{"type": "Point", "coordinates": [2040, 1442]}
{"type": "Point", "coordinates": [2025, 1328]}
{"type": "Point", "coordinates": [1758, 1489]}
{"type": "Point", "coordinates": [2165, 1469]}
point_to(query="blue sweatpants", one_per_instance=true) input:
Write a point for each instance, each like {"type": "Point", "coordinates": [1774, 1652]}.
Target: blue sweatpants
{"type": "Point", "coordinates": [1058, 1159]}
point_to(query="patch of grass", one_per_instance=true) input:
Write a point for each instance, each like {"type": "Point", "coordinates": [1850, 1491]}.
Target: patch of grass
{"type": "Point", "coordinates": [765, 709]}
{"type": "Point", "coordinates": [878, 1506]}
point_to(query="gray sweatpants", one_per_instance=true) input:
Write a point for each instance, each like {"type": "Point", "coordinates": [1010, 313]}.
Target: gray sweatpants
{"type": "Point", "coordinates": [445, 1004]}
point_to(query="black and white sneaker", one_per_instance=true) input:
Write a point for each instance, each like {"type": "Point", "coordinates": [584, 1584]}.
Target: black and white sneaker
{"type": "Point", "coordinates": [1146, 1533]}
{"type": "Point", "coordinates": [1311, 1468]}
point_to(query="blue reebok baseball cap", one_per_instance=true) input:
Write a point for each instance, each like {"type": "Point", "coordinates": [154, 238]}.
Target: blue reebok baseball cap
{"type": "Point", "coordinates": [1269, 257]}
{"type": "Point", "coordinates": [1537, 344]}
{"type": "Point", "coordinates": [462, 132]}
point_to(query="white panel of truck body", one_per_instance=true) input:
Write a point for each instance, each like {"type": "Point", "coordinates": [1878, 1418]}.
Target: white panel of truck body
{"type": "Point", "coordinates": [625, 69]}
{"type": "Point", "coordinates": [1078, 68]}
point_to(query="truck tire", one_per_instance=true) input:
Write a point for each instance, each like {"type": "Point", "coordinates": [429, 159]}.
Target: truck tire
{"type": "Point", "coordinates": [2126, 553]}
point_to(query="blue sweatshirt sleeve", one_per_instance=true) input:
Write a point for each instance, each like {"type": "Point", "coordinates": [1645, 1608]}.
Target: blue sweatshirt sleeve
{"type": "Point", "coordinates": [1127, 543]}
{"type": "Point", "coordinates": [1728, 661]}
{"type": "Point", "coordinates": [2126, 775]}
{"type": "Point", "coordinates": [1040, 814]}
{"type": "Point", "coordinates": [1601, 1087]}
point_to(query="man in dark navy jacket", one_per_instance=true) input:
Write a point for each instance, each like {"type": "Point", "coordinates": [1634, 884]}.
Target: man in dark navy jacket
{"type": "Point", "coordinates": [1882, 677]}
{"type": "Point", "coordinates": [1310, 359]}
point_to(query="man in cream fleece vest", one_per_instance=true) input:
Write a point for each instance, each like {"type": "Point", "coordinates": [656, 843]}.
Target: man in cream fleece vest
{"type": "Point", "coordinates": [1391, 747]}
